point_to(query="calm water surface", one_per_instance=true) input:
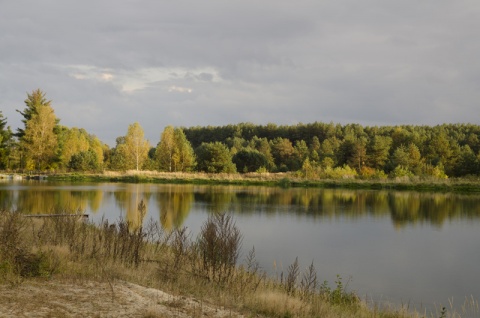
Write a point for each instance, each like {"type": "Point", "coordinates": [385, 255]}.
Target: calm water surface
{"type": "Point", "coordinates": [411, 248]}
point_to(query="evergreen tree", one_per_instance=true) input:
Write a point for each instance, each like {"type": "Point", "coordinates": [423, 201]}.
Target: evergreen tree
{"type": "Point", "coordinates": [358, 156]}
{"type": "Point", "coordinates": [283, 152]}
{"type": "Point", "coordinates": [467, 164]}
{"type": "Point", "coordinates": [214, 157]}
{"type": "Point", "coordinates": [34, 101]}
{"type": "Point", "coordinates": [249, 160]}
{"type": "Point", "coordinates": [6, 141]}
{"type": "Point", "coordinates": [84, 161]}
{"type": "Point", "coordinates": [315, 148]}
{"type": "Point", "coordinates": [301, 153]}
{"type": "Point", "coordinates": [408, 158]}
{"type": "Point", "coordinates": [263, 146]}
{"type": "Point", "coordinates": [378, 151]}
{"type": "Point", "coordinates": [39, 141]}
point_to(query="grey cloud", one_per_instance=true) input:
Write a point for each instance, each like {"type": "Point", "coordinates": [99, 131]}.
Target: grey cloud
{"type": "Point", "coordinates": [214, 63]}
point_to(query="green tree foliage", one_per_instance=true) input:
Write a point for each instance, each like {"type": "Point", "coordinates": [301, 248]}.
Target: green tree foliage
{"type": "Point", "coordinates": [39, 141]}
{"type": "Point", "coordinates": [378, 150]}
{"type": "Point", "coordinates": [97, 146]}
{"type": "Point", "coordinates": [71, 141]}
{"type": "Point", "coordinates": [249, 160]}
{"type": "Point", "coordinates": [409, 158]}
{"type": "Point", "coordinates": [34, 101]}
{"type": "Point", "coordinates": [401, 172]}
{"type": "Point", "coordinates": [358, 156]}
{"type": "Point", "coordinates": [351, 150]}
{"type": "Point", "coordinates": [6, 142]}
{"type": "Point", "coordinates": [467, 163]}
{"type": "Point", "coordinates": [300, 154]}
{"type": "Point", "coordinates": [214, 157]}
{"type": "Point", "coordinates": [315, 149]}
{"type": "Point", "coordinates": [236, 144]}
{"type": "Point", "coordinates": [84, 161]}
{"type": "Point", "coordinates": [117, 159]}
{"type": "Point", "coordinates": [184, 156]}
{"type": "Point", "coordinates": [400, 136]}
{"type": "Point", "coordinates": [331, 149]}
{"type": "Point", "coordinates": [370, 150]}
{"type": "Point", "coordinates": [43, 143]}
{"type": "Point", "coordinates": [439, 150]}
{"type": "Point", "coordinates": [174, 152]}
{"type": "Point", "coordinates": [131, 151]}
{"type": "Point", "coordinates": [328, 152]}
{"type": "Point", "coordinates": [263, 146]}
{"type": "Point", "coordinates": [283, 153]}
{"type": "Point", "coordinates": [166, 149]}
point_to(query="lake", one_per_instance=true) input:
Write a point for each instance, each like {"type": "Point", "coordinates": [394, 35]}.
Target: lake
{"type": "Point", "coordinates": [416, 249]}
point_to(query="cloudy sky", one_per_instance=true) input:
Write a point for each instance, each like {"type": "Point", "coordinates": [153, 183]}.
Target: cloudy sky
{"type": "Point", "coordinates": [106, 64]}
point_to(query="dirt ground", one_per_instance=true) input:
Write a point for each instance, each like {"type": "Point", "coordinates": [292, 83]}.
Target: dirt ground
{"type": "Point", "coordinates": [96, 299]}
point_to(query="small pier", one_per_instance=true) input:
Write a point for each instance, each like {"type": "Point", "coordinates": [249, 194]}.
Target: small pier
{"type": "Point", "coordinates": [6, 176]}
{"type": "Point", "coordinates": [80, 216]}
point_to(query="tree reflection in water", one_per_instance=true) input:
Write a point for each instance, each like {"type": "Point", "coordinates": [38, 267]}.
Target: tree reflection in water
{"type": "Point", "coordinates": [174, 202]}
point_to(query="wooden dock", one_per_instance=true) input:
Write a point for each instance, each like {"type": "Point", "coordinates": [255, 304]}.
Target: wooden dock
{"type": "Point", "coordinates": [40, 177]}
{"type": "Point", "coordinates": [83, 216]}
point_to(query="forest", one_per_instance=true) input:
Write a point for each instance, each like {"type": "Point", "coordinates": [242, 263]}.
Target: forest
{"type": "Point", "coordinates": [312, 151]}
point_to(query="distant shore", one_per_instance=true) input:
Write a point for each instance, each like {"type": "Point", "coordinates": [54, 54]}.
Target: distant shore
{"type": "Point", "coordinates": [284, 180]}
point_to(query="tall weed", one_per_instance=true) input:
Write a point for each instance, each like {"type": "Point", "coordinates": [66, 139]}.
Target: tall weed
{"type": "Point", "coordinates": [218, 247]}
{"type": "Point", "coordinates": [18, 256]}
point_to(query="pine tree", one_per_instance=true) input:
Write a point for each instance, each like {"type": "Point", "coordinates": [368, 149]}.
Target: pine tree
{"type": "Point", "coordinates": [39, 141]}
{"type": "Point", "coordinates": [33, 102]}
{"type": "Point", "coordinates": [5, 141]}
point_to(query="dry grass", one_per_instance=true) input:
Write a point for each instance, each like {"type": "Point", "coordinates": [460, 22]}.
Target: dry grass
{"type": "Point", "coordinates": [59, 260]}
{"type": "Point", "coordinates": [264, 176]}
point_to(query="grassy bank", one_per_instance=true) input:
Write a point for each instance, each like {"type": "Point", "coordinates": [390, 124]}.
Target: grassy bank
{"type": "Point", "coordinates": [205, 268]}
{"type": "Point", "coordinates": [276, 179]}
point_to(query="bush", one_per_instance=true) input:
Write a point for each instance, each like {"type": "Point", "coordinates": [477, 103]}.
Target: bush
{"type": "Point", "coordinates": [214, 158]}
{"type": "Point", "coordinates": [218, 247]}
{"type": "Point", "coordinates": [16, 256]}
{"type": "Point", "coordinates": [401, 172]}
{"type": "Point", "coordinates": [344, 172]}
{"type": "Point", "coordinates": [248, 160]}
{"type": "Point", "coordinates": [84, 161]}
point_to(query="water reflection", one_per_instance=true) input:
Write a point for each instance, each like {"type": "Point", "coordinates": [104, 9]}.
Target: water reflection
{"type": "Point", "coordinates": [347, 232]}
{"type": "Point", "coordinates": [39, 198]}
{"type": "Point", "coordinates": [173, 203]}
{"type": "Point", "coordinates": [404, 208]}
{"type": "Point", "coordinates": [131, 198]}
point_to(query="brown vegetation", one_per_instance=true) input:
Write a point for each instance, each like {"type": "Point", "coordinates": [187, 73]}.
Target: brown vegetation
{"type": "Point", "coordinates": [57, 267]}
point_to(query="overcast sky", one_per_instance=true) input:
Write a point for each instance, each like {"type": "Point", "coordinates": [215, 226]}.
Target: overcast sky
{"type": "Point", "coordinates": [106, 64]}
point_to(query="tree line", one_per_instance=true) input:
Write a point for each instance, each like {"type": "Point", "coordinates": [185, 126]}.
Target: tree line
{"type": "Point", "coordinates": [316, 150]}
{"type": "Point", "coordinates": [334, 150]}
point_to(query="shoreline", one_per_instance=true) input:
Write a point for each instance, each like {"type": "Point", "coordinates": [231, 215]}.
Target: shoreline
{"type": "Point", "coordinates": [284, 180]}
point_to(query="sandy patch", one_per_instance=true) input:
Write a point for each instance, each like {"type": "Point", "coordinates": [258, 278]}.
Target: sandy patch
{"type": "Point", "coordinates": [96, 299]}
